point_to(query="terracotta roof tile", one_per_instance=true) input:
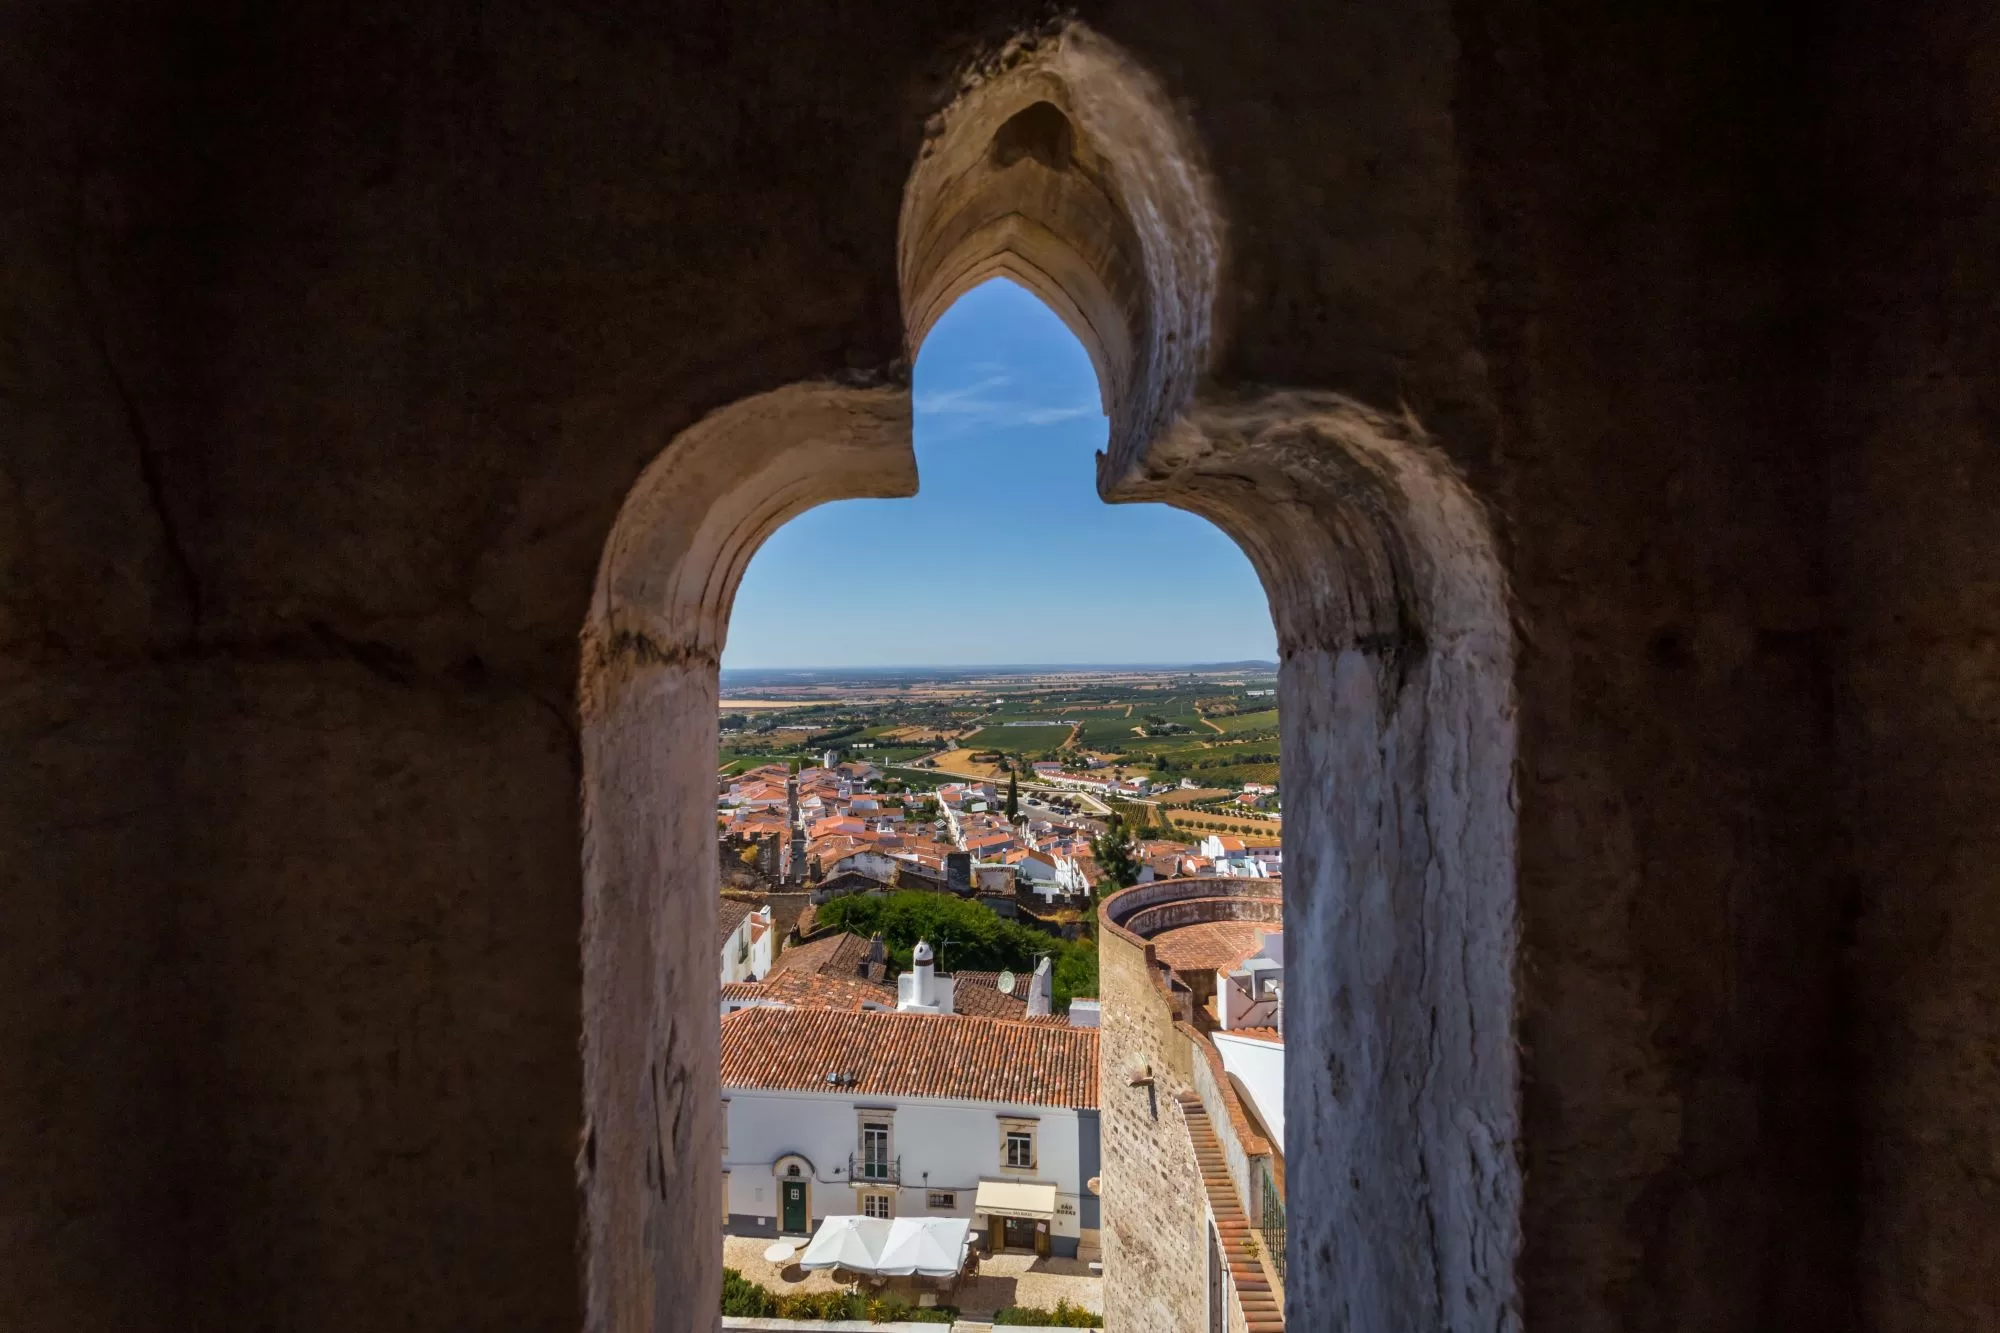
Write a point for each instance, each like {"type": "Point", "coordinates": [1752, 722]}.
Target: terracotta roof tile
{"type": "Point", "coordinates": [728, 916]}
{"type": "Point", "coordinates": [911, 1055]}
{"type": "Point", "coordinates": [978, 994]}
{"type": "Point", "coordinates": [1213, 946]}
{"type": "Point", "coordinates": [836, 955]}
{"type": "Point", "coordinates": [811, 990]}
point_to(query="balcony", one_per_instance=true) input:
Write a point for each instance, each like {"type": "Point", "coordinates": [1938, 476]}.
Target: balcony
{"type": "Point", "coordinates": [869, 1170]}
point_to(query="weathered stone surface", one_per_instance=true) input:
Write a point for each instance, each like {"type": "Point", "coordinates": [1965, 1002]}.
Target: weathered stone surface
{"type": "Point", "coordinates": [1154, 1227]}
{"type": "Point", "coordinates": [339, 338]}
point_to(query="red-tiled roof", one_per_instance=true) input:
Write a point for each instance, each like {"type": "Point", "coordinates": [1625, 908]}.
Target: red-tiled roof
{"type": "Point", "coordinates": [812, 990]}
{"type": "Point", "coordinates": [1213, 946]}
{"type": "Point", "coordinates": [836, 955]}
{"type": "Point", "coordinates": [911, 1055]}
{"type": "Point", "coordinates": [978, 994]}
{"type": "Point", "coordinates": [728, 916]}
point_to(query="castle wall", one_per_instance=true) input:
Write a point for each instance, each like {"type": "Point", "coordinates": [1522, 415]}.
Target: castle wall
{"type": "Point", "coordinates": [1155, 1260]}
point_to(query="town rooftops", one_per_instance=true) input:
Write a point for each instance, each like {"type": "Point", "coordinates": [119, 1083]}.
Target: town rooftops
{"type": "Point", "coordinates": [843, 955]}
{"type": "Point", "coordinates": [978, 994]}
{"type": "Point", "coordinates": [729, 915]}
{"type": "Point", "coordinates": [910, 1055]}
{"type": "Point", "coordinates": [1212, 946]}
{"type": "Point", "coordinates": [810, 990]}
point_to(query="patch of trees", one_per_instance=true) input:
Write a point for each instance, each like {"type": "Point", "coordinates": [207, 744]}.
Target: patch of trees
{"type": "Point", "coordinates": [966, 935]}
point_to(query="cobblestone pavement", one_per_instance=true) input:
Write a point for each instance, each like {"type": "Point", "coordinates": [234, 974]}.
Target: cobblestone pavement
{"type": "Point", "coordinates": [745, 1254]}
{"type": "Point", "coordinates": [1002, 1280]}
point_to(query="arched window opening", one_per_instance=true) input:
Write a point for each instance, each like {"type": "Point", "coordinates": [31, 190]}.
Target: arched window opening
{"type": "Point", "coordinates": [1395, 680]}
{"type": "Point", "coordinates": [951, 725]}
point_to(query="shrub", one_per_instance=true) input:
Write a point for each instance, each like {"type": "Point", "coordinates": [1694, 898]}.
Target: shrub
{"type": "Point", "coordinates": [740, 1296]}
{"type": "Point", "coordinates": [895, 1310]}
{"type": "Point", "coordinates": [1064, 1315]}
{"type": "Point", "coordinates": [745, 1298]}
{"type": "Point", "coordinates": [821, 1305]}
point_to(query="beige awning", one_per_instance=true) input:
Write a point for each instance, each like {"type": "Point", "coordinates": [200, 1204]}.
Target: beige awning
{"type": "Point", "coordinates": [1015, 1198]}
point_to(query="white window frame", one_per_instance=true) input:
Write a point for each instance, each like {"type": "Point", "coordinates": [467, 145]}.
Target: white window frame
{"type": "Point", "coordinates": [885, 1117]}
{"type": "Point", "coordinates": [1028, 1127]}
{"type": "Point", "coordinates": [885, 1198]}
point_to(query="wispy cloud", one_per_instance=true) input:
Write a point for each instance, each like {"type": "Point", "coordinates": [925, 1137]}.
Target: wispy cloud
{"type": "Point", "coordinates": [1044, 416]}
{"type": "Point", "coordinates": [964, 399]}
{"type": "Point", "coordinates": [975, 405]}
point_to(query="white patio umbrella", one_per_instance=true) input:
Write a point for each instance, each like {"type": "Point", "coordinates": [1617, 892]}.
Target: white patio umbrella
{"type": "Point", "coordinates": [926, 1246]}
{"type": "Point", "coordinates": [847, 1241]}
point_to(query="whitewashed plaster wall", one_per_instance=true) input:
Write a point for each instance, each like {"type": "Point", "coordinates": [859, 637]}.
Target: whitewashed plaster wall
{"type": "Point", "coordinates": [1261, 1066]}
{"type": "Point", "coordinates": [957, 1142]}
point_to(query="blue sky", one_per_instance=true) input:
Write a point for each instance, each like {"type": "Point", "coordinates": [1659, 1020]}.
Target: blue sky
{"type": "Point", "coordinates": [1005, 556]}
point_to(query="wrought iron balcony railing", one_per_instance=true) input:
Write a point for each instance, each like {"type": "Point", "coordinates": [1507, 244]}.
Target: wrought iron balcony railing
{"type": "Point", "coordinates": [1274, 1217]}
{"type": "Point", "coordinates": [875, 1170]}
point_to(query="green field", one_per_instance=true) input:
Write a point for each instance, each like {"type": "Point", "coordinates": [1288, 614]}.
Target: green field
{"type": "Point", "coordinates": [1248, 721]}
{"type": "Point", "coordinates": [1017, 740]}
{"type": "Point", "coordinates": [919, 779]}
{"type": "Point", "coordinates": [1239, 746]}
{"type": "Point", "coordinates": [887, 754]}
{"type": "Point", "coordinates": [1108, 729]}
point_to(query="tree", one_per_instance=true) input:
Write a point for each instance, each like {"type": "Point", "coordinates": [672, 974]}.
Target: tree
{"type": "Point", "coordinates": [1112, 850]}
{"type": "Point", "coordinates": [1013, 797]}
{"type": "Point", "coordinates": [968, 935]}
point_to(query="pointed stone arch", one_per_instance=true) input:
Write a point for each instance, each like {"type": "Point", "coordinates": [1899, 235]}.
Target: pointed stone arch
{"type": "Point", "coordinates": [1061, 165]}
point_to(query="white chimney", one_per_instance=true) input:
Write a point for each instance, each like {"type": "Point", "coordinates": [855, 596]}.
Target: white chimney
{"type": "Point", "coordinates": [1041, 988]}
{"type": "Point", "coordinates": [921, 990]}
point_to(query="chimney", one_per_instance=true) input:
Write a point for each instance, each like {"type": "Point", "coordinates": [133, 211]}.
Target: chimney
{"type": "Point", "coordinates": [1041, 988]}
{"type": "Point", "coordinates": [926, 986]}
{"type": "Point", "coordinates": [958, 873]}
{"type": "Point", "coordinates": [875, 966]}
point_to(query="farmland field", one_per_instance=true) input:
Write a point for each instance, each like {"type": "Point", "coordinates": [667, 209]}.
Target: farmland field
{"type": "Point", "coordinates": [1199, 822]}
{"type": "Point", "coordinates": [960, 763]}
{"type": "Point", "coordinates": [1108, 729]}
{"type": "Point", "coordinates": [890, 716]}
{"type": "Point", "coordinates": [1017, 739]}
{"type": "Point", "coordinates": [1185, 797]}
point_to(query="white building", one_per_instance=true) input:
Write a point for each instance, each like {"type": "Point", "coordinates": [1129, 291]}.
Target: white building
{"type": "Point", "coordinates": [1241, 857]}
{"type": "Point", "coordinates": [747, 942]}
{"type": "Point", "coordinates": [909, 1115]}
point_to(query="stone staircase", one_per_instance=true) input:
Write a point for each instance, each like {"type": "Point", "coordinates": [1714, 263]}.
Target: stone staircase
{"type": "Point", "coordinates": [1263, 1307]}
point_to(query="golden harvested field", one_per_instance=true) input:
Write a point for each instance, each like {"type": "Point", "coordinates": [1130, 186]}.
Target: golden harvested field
{"type": "Point", "coordinates": [961, 763]}
{"type": "Point", "coordinates": [1179, 797]}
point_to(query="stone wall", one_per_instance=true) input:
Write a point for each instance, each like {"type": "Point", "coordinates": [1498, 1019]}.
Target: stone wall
{"type": "Point", "coordinates": [1914, 420]}
{"type": "Point", "coordinates": [1155, 1263]}
{"type": "Point", "coordinates": [343, 333]}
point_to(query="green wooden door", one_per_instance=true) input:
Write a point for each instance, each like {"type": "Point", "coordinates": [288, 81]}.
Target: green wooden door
{"type": "Point", "coordinates": [795, 1208]}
